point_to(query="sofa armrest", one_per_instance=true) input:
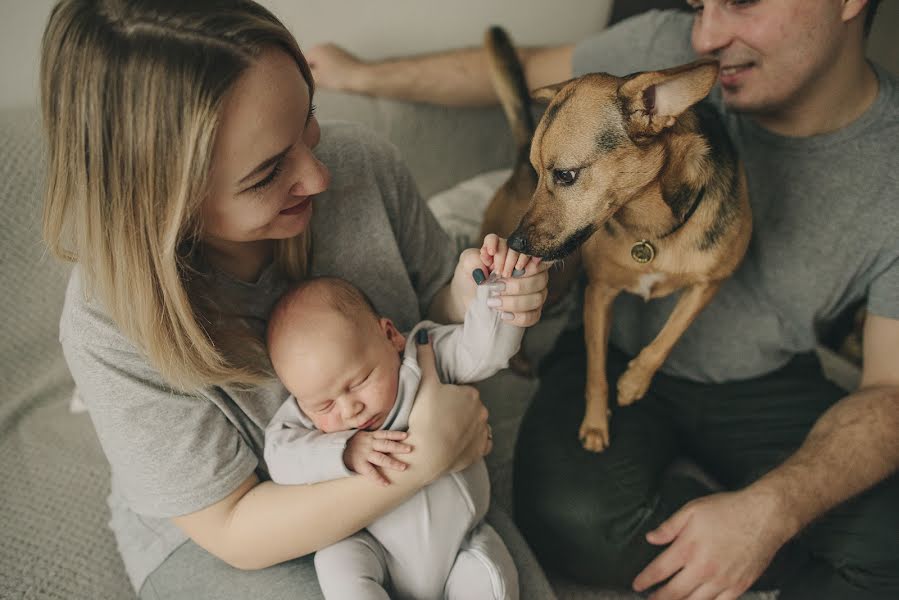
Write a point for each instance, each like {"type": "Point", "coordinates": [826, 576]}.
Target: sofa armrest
{"type": "Point", "coordinates": [441, 145]}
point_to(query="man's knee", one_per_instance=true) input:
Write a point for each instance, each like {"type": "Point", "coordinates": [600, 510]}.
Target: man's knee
{"type": "Point", "coordinates": [591, 538]}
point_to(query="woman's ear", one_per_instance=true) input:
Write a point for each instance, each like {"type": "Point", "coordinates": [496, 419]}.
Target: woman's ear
{"type": "Point", "coordinates": [396, 339]}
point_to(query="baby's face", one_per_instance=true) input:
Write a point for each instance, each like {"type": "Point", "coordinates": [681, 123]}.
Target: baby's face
{"type": "Point", "coordinates": [344, 374]}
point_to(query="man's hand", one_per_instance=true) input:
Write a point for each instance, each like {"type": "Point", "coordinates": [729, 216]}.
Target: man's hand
{"type": "Point", "coordinates": [333, 67]}
{"type": "Point", "coordinates": [719, 546]}
{"type": "Point", "coordinates": [368, 452]}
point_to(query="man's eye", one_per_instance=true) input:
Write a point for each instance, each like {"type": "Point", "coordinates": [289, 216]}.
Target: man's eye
{"type": "Point", "coordinates": [696, 6]}
{"type": "Point", "coordinates": [565, 177]}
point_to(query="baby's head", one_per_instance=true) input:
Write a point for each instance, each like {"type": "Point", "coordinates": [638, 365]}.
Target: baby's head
{"type": "Point", "coordinates": [335, 354]}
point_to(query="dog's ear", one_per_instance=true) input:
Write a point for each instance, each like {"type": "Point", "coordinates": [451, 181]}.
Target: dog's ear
{"type": "Point", "coordinates": [546, 93]}
{"type": "Point", "coordinates": [653, 100]}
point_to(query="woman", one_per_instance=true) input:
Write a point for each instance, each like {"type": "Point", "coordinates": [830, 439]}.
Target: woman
{"type": "Point", "coordinates": [188, 181]}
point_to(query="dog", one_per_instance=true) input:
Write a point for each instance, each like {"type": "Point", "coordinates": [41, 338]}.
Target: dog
{"type": "Point", "coordinates": [639, 175]}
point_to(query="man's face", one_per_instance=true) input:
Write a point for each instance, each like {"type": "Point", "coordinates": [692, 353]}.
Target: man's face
{"type": "Point", "coordinates": [773, 53]}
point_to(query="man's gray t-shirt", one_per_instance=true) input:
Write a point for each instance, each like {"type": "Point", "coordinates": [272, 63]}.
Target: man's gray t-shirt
{"type": "Point", "coordinates": [173, 454]}
{"type": "Point", "coordinates": [825, 224]}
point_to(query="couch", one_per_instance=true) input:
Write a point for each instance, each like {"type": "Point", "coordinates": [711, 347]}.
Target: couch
{"type": "Point", "coordinates": [53, 475]}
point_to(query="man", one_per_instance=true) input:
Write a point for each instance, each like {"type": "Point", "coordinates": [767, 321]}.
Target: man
{"type": "Point", "coordinates": [811, 496]}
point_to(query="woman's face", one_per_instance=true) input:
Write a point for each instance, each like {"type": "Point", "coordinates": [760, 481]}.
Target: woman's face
{"type": "Point", "coordinates": [264, 175]}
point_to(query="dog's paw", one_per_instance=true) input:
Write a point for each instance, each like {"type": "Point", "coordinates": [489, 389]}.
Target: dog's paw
{"type": "Point", "coordinates": [633, 384]}
{"type": "Point", "coordinates": [594, 436]}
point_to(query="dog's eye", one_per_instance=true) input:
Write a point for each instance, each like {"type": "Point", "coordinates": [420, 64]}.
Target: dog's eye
{"type": "Point", "coordinates": [565, 177]}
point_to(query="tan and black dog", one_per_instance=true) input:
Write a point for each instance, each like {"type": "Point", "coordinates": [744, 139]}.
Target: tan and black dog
{"type": "Point", "coordinates": [640, 176]}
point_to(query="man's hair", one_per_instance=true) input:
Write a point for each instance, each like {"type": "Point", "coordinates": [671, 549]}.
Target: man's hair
{"type": "Point", "coordinates": [333, 292]}
{"type": "Point", "coordinates": [869, 16]}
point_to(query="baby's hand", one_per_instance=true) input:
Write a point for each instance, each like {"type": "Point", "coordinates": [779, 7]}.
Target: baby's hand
{"type": "Point", "coordinates": [502, 260]}
{"type": "Point", "coordinates": [366, 451]}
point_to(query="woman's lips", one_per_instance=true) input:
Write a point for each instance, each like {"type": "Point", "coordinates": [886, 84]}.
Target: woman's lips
{"type": "Point", "coordinates": [298, 207]}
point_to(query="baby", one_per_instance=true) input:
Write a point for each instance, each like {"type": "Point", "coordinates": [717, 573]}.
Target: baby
{"type": "Point", "coordinates": [353, 378]}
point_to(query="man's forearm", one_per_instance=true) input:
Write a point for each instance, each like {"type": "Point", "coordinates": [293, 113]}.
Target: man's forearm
{"type": "Point", "coordinates": [453, 78]}
{"type": "Point", "coordinates": [456, 77]}
{"type": "Point", "coordinates": [853, 446]}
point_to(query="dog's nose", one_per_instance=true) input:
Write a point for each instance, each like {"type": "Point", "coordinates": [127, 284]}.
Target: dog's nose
{"type": "Point", "coordinates": [519, 243]}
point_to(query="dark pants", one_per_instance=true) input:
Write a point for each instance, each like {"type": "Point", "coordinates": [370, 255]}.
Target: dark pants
{"type": "Point", "coordinates": [586, 514]}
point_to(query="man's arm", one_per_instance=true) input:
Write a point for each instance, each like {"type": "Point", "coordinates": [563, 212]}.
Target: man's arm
{"type": "Point", "coordinates": [854, 445]}
{"type": "Point", "coordinates": [452, 78]}
{"type": "Point", "coordinates": [723, 542]}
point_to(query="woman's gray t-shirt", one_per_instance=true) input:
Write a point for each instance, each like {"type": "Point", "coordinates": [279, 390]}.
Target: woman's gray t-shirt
{"type": "Point", "coordinates": [825, 224]}
{"type": "Point", "coordinates": [173, 454]}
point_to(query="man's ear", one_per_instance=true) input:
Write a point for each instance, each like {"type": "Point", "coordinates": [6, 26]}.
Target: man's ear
{"type": "Point", "coordinates": [653, 100]}
{"type": "Point", "coordinates": [396, 339]}
{"type": "Point", "coordinates": [546, 93]}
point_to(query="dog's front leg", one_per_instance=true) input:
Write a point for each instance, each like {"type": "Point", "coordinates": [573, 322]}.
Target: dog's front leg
{"type": "Point", "coordinates": [594, 431]}
{"type": "Point", "coordinates": [632, 385]}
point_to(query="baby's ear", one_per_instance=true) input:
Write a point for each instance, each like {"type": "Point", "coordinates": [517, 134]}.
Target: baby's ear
{"type": "Point", "coordinates": [393, 335]}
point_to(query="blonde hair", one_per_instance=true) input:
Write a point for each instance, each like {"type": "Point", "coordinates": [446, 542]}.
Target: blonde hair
{"type": "Point", "coordinates": [132, 93]}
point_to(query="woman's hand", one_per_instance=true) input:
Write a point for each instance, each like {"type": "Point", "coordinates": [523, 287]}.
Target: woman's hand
{"type": "Point", "coordinates": [448, 424]}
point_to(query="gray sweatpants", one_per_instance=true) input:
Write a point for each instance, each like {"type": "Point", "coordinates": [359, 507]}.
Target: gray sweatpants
{"type": "Point", "coordinates": [435, 545]}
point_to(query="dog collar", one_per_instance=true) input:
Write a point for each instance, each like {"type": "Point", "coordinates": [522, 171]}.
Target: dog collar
{"type": "Point", "coordinates": [643, 252]}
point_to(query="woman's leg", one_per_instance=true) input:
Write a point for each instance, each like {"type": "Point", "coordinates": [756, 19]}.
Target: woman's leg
{"type": "Point", "coordinates": [584, 513]}
{"type": "Point", "coordinates": [191, 573]}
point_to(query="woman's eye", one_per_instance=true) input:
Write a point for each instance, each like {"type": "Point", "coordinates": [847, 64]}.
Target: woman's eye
{"type": "Point", "coordinates": [566, 177]}
{"type": "Point", "coordinates": [268, 179]}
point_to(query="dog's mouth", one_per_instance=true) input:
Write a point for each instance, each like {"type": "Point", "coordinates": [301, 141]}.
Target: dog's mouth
{"type": "Point", "coordinates": [519, 242]}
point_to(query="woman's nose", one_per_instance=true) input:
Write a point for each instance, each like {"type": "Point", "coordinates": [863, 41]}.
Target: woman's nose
{"type": "Point", "coordinates": [312, 176]}
{"type": "Point", "coordinates": [711, 30]}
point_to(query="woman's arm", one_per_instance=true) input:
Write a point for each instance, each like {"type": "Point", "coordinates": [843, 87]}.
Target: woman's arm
{"type": "Point", "coordinates": [262, 524]}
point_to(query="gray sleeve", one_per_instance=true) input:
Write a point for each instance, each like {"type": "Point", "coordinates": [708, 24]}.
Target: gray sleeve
{"type": "Point", "coordinates": [171, 453]}
{"type": "Point", "coordinates": [883, 293]}
{"type": "Point", "coordinates": [479, 347]}
{"type": "Point", "coordinates": [651, 40]}
{"type": "Point", "coordinates": [297, 454]}
{"type": "Point", "coordinates": [427, 251]}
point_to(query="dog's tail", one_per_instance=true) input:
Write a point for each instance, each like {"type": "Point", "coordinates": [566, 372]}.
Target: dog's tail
{"type": "Point", "coordinates": [511, 87]}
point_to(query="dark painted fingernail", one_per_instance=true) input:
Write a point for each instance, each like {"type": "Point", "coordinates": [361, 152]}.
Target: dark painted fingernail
{"type": "Point", "coordinates": [479, 276]}
{"type": "Point", "coordinates": [422, 336]}
{"type": "Point", "coordinates": [517, 272]}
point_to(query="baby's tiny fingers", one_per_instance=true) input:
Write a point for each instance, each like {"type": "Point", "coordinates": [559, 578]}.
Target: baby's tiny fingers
{"type": "Point", "coordinates": [491, 243]}
{"type": "Point", "coordinates": [511, 261]}
{"type": "Point", "coordinates": [391, 447]}
{"type": "Point", "coordinates": [386, 461]}
{"type": "Point", "coordinates": [371, 473]}
{"type": "Point", "coordinates": [388, 434]}
{"type": "Point", "coordinates": [523, 260]}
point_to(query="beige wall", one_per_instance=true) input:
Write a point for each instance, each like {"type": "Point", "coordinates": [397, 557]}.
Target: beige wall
{"type": "Point", "coordinates": [378, 28]}
{"type": "Point", "coordinates": [374, 28]}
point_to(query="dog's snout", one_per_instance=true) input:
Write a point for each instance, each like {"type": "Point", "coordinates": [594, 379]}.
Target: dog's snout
{"type": "Point", "coordinates": [519, 242]}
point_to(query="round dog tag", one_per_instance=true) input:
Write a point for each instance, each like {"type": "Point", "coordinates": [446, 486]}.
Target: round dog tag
{"type": "Point", "coordinates": [643, 252]}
